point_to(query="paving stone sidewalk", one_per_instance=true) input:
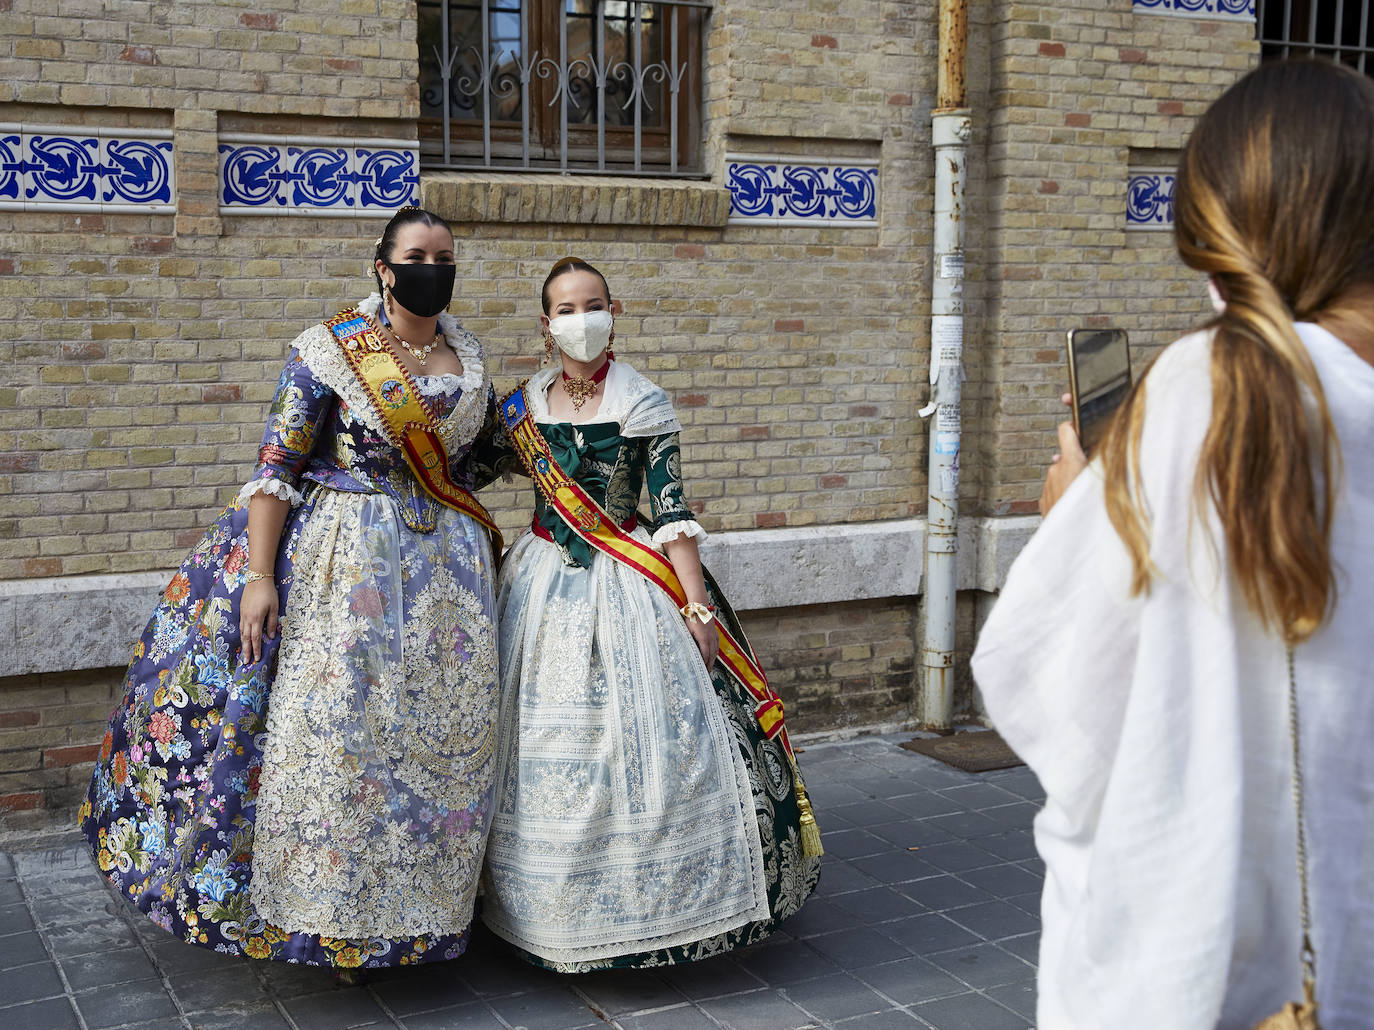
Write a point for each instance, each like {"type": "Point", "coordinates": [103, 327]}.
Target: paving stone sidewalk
{"type": "Point", "coordinates": [926, 916]}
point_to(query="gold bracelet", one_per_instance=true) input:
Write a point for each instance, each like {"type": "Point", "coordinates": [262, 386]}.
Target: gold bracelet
{"type": "Point", "coordinates": [252, 577]}
{"type": "Point", "coordinates": [703, 613]}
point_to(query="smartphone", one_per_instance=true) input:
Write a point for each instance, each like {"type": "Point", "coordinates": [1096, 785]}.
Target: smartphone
{"type": "Point", "coordinates": [1099, 379]}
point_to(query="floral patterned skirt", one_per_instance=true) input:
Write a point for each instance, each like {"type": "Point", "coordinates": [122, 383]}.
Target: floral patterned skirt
{"type": "Point", "coordinates": [328, 804]}
{"type": "Point", "coordinates": [642, 818]}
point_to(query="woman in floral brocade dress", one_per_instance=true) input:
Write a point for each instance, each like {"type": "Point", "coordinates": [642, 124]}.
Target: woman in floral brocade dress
{"type": "Point", "coordinates": [321, 794]}
{"type": "Point", "coordinates": [642, 817]}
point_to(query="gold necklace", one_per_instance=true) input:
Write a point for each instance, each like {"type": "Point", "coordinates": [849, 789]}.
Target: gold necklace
{"type": "Point", "coordinates": [418, 353]}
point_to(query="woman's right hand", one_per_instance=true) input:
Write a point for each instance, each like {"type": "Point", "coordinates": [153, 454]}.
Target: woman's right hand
{"type": "Point", "coordinates": [257, 618]}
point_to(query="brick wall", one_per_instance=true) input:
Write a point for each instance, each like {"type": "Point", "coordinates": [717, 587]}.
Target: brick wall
{"type": "Point", "coordinates": [141, 349]}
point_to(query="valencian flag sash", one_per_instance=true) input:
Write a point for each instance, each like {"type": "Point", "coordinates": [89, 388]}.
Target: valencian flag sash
{"type": "Point", "coordinates": [598, 529]}
{"type": "Point", "coordinates": [409, 421]}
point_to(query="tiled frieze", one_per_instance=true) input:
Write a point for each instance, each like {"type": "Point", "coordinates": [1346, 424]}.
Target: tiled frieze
{"type": "Point", "coordinates": [335, 177]}
{"type": "Point", "coordinates": [1198, 8]}
{"type": "Point", "coordinates": [1150, 199]}
{"type": "Point", "coordinates": [66, 168]}
{"type": "Point", "coordinates": [799, 191]}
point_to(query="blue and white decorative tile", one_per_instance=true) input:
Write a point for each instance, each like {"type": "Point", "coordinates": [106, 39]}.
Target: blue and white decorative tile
{"type": "Point", "coordinates": [387, 177]}
{"type": "Point", "coordinates": [69, 168]}
{"type": "Point", "coordinates": [1230, 9]}
{"type": "Point", "coordinates": [797, 191]}
{"type": "Point", "coordinates": [1150, 199]}
{"type": "Point", "coordinates": [14, 176]}
{"type": "Point", "coordinates": [334, 177]}
{"type": "Point", "coordinates": [139, 173]}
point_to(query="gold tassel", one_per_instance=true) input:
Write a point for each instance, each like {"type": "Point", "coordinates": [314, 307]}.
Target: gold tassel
{"type": "Point", "coordinates": [810, 832]}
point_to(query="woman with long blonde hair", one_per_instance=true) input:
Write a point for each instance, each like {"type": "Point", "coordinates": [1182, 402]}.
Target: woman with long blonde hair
{"type": "Point", "coordinates": [1216, 558]}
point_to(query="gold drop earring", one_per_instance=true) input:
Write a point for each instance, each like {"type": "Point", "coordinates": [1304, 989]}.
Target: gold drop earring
{"type": "Point", "coordinates": [548, 347]}
{"type": "Point", "coordinates": [386, 294]}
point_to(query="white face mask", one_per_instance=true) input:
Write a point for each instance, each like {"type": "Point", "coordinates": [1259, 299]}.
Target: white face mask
{"type": "Point", "coordinates": [584, 336]}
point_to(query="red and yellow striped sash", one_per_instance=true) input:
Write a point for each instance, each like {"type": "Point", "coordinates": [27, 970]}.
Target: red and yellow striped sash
{"type": "Point", "coordinates": [408, 420]}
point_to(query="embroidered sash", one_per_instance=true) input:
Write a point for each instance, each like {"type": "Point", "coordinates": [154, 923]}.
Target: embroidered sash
{"type": "Point", "coordinates": [408, 420]}
{"type": "Point", "coordinates": [592, 524]}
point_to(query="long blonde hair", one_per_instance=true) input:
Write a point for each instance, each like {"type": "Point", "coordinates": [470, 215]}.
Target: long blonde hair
{"type": "Point", "coordinates": [1274, 199]}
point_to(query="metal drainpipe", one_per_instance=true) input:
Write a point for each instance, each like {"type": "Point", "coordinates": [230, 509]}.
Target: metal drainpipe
{"type": "Point", "coordinates": [951, 127]}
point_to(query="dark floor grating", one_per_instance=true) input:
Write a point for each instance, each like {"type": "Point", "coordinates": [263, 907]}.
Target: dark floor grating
{"type": "Point", "coordinates": [979, 751]}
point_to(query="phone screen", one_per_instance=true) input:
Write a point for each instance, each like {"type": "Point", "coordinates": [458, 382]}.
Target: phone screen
{"type": "Point", "coordinates": [1099, 379]}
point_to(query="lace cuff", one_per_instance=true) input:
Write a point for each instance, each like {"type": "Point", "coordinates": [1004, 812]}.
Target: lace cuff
{"type": "Point", "coordinates": [683, 527]}
{"type": "Point", "coordinates": [273, 487]}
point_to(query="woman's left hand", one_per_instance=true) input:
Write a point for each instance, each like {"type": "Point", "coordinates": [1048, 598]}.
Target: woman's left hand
{"type": "Point", "coordinates": [704, 633]}
{"type": "Point", "coordinates": [1064, 469]}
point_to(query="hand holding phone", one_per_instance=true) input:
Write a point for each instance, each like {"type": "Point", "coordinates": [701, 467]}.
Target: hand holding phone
{"type": "Point", "coordinates": [1099, 380]}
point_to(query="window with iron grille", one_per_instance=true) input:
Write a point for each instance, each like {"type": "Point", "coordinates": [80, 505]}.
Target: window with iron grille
{"type": "Point", "coordinates": [602, 86]}
{"type": "Point", "coordinates": [1338, 29]}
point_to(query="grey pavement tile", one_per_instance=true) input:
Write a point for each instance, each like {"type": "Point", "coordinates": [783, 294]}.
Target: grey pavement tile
{"type": "Point", "coordinates": [52, 1014]}
{"type": "Point", "coordinates": [761, 1010]}
{"type": "Point", "coordinates": [619, 991]}
{"type": "Point", "coordinates": [957, 857]}
{"type": "Point", "coordinates": [1033, 866]}
{"type": "Point", "coordinates": [1003, 881]}
{"type": "Point", "coordinates": [827, 795]}
{"type": "Point", "coordinates": [1027, 903]}
{"type": "Point", "coordinates": [1020, 998]}
{"type": "Point", "coordinates": [491, 975]}
{"type": "Point", "coordinates": [984, 965]}
{"type": "Point", "coordinates": [878, 905]}
{"type": "Point", "coordinates": [994, 920]}
{"type": "Point", "coordinates": [980, 795]}
{"type": "Point", "coordinates": [175, 958]}
{"type": "Point", "coordinates": [1019, 781]}
{"type": "Point", "coordinates": [15, 919]}
{"type": "Point", "coordinates": [10, 894]}
{"type": "Point", "coordinates": [79, 909]}
{"type": "Point", "coordinates": [103, 968]}
{"type": "Point", "coordinates": [133, 1003]}
{"type": "Point", "coordinates": [853, 843]}
{"type": "Point", "coordinates": [29, 983]}
{"type": "Point", "coordinates": [6, 866]}
{"type": "Point", "coordinates": [900, 865]}
{"type": "Point", "coordinates": [857, 949]}
{"type": "Point", "coordinates": [967, 825]}
{"type": "Point", "coordinates": [821, 915]}
{"type": "Point", "coordinates": [238, 984]}
{"type": "Point", "coordinates": [777, 964]}
{"type": "Point", "coordinates": [288, 979]}
{"type": "Point", "coordinates": [923, 804]}
{"type": "Point", "coordinates": [556, 1009]}
{"type": "Point", "coordinates": [260, 1015]}
{"type": "Point", "coordinates": [911, 980]}
{"type": "Point", "coordinates": [944, 892]}
{"type": "Point", "coordinates": [908, 832]}
{"type": "Point", "coordinates": [84, 938]}
{"type": "Point", "coordinates": [422, 989]}
{"type": "Point", "coordinates": [473, 1016]}
{"type": "Point", "coordinates": [927, 933]}
{"type": "Point", "coordinates": [836, 997]}
{"type": "Point", "coordinates": [711, 978]}
{"type": "Point", "coordinates": [21, 949]}
{"type": "Point", "coordinates": [893, 1019]}
{"type": "Point", "coordinates": [869, 813]}
{"type": "Point", "coordinates": [334, 1009]}
{"type": "Point", "coordinates": [840, 877]}
{"type": "Point", "coordinates": [969, 1012]}
{"type": "Point", "coordinates": [683, 1017]}
{"type": "Point", "coordinates": [1014, 846]}
{"type": "Point", "coordinates": [883, 786]}
{"type": "Point", "coordinates": [1027, 947]}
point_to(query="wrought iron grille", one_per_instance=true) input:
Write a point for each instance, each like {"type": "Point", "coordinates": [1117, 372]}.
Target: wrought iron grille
{"type": "Point", "coordinates": [600, 86]}
{"type": "Point", "coordinates": [1339, 29]}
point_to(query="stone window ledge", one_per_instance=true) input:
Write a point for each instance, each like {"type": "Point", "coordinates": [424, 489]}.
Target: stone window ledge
{"type": "Point", "coordinates": [573, 199]}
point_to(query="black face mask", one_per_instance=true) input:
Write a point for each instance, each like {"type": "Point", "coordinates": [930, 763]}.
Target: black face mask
{"type": "Point", "coordinates": [423, 290]}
